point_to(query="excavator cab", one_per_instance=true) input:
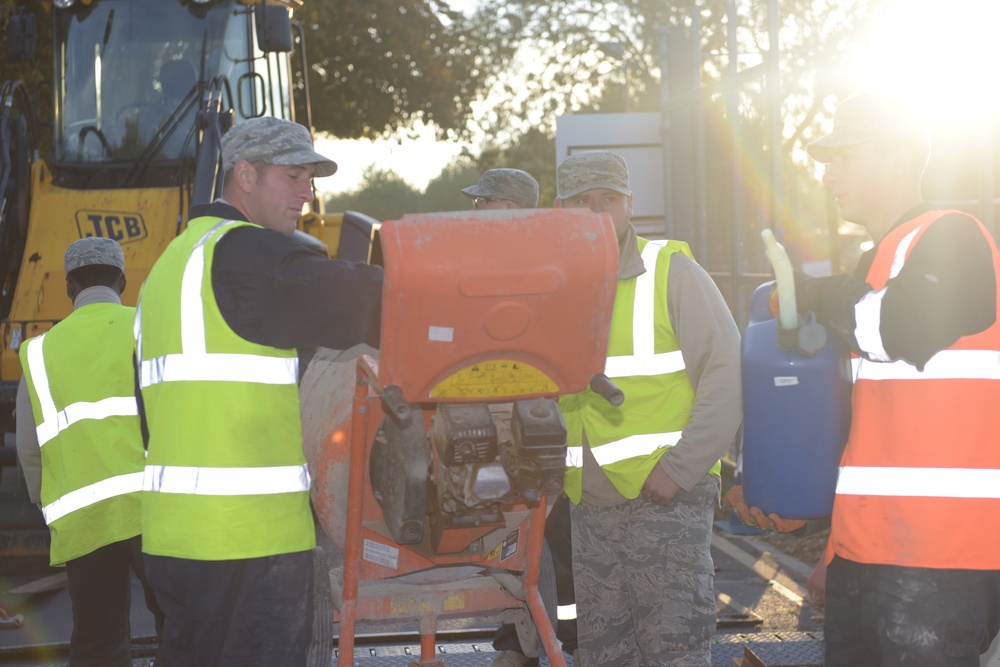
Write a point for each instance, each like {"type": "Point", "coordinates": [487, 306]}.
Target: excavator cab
{"type": "Point", "coordinates": [119, 140]}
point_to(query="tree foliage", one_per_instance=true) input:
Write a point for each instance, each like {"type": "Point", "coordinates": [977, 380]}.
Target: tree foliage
{"type": "Point", "coordinates": [377, 65]}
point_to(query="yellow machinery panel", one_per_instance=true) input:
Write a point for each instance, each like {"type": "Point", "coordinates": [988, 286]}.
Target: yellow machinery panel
{"type": "Point", "coordinates": [143, 220]}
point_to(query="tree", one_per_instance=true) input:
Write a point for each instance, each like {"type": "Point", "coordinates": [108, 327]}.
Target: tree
{"type": "Point", "coordinates": [572, 56]}
{"type": "Point", "coordinates": [377, 65]}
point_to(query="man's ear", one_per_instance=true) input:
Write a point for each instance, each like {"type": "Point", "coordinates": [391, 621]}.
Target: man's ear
{"type": "Point", "coordinates": [557, 203]}
{"type": "Point", "coordinates": [72, 289]}
{"type": "Point", "coordinates": [245, 175]}
{"type": "Point", "coordinates": [120, 285]}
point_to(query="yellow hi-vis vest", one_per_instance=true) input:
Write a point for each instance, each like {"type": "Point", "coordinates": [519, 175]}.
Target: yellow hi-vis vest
{"type": "Point", "coordinates": [645, 361]}
{"type": "Point", "coordinates": [226, 478]}
{"type": "Point", "coordinates": [80, 379]}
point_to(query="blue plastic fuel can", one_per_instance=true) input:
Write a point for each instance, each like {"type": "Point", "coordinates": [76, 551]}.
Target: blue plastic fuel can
{"type": "Point", "coordinates": [796, 415]}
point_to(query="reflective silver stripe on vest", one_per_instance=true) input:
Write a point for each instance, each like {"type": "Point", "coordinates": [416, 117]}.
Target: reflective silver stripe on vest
{"type": "Point", "coordinates": [919, 482]}
{"type": "Point", "coordinates": [643, 361]}
{"type": "Point", "coordinates": [868, 325]}
{"type": "Point", "coordinates": [195, 363]}
{"type": "Point", "coordinates": [945, 365]}
{"type": "Point", "coordinates": [626, 448]}
{"type": "Point", "coordinates": [54, 421]}
{"type": "Point", "coordinates": [192, 480]}
{"type": "Point", "coordinates": [868, 311]}
{"type": "Point", "coordinates": [94, 493]}
{"type": "Point", "coordinates": [219, 368]}
{"type": "Point", "coordinates": [566, 612]}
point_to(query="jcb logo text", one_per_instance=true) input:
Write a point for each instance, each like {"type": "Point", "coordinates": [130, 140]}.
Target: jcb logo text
{"type": "Point", "coordinates": [120, 226]}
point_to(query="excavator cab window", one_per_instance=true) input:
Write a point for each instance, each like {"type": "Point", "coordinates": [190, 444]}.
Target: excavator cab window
{"type": "Point", "coordinates": [133, 73]}
{"type": "Point", "coordinates": [127, 70]}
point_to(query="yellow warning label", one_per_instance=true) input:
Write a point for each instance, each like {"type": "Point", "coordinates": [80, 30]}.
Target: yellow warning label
{"type": "Point", "coordinates": [494, 378]}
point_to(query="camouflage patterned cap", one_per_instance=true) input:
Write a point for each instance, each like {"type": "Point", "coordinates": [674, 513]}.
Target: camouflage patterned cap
{"type": "Point", "coordinates": [274, 141]}
{"type": "Point", "coordinates": [514, 184]}
{"type": "Point", "coordinates": [587, 170]}
{"type": "Point", "coordinates": [94, 250]}
{"type": "Point", "coordinates": [868, 116]}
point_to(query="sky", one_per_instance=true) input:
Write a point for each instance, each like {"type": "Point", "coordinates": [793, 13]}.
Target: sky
{"type": "Point", "coordinates": [417, 161]}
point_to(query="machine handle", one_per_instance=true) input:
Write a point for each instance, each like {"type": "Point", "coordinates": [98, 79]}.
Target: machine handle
{"type": "Point", "coordinates": [396, 406]}
{"type": "Point", "coordinates": [602, 385]}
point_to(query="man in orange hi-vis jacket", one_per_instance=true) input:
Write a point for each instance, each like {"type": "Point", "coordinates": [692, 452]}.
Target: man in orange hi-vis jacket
{"type": "Point", "coordinates": [913, 563]}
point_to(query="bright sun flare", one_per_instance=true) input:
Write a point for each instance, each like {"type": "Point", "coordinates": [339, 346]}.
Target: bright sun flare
{"type": "Point", "coordinates": [939, 54]}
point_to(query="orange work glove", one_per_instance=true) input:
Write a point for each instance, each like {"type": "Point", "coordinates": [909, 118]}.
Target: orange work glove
{"type": "Point", "coordinates": [753, 516]}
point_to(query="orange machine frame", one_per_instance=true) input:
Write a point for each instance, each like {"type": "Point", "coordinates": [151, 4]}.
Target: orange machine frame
{"type": "Point", "coordinates": [520, 298]}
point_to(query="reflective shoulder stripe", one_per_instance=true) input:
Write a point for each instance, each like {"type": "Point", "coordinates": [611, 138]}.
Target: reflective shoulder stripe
{"type": "Point", "coordinates": [115, 406]}
{"type": "Point", "coordinates": [191, 480]}
{"type": "Point", "coordinates": [93, 493]}
{"type": "Point", "coordinates": [626, 448]}
{"type": "Point", "coordinates": [192, 306]}
{"type": "Point", "coordinates": [656, 364]}
{"type": "Point", "coordinates": [218, 367]}
{"type": "Point", "coordinates": [643, 326]}
{"type": "Point", "coordinates": [644, 361]}
{"type": "Point", "coordinates": [945, 365]}
{"type": "Point", "coordinates": [919, 482]}
{"type": "Point", "coordinates": [40, 378]}
{"type": "Point", "coordinates": [899, 258]}
{"type": "Point", "coordinates": [868, 325]}
{"type": "Point", "coordinates": [868, 311]}
{"type": "Point", "coordinates": [566, 612]}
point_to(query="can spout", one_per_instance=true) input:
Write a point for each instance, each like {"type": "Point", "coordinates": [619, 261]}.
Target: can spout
{"type": "Point", "coordinates": [784, 280]}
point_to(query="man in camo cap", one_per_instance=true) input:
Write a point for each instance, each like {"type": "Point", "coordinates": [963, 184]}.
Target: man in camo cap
{"type": "Point", "coordinates": [233, 557]}
{"type": "Point", "coordinates": [644, 476]}
{"type": "Point", "coordinates": [93, 250]}
{"type": "Point", "coordinates": [85, 473]}
{"type": "Point", "coordinates": [503, 188]}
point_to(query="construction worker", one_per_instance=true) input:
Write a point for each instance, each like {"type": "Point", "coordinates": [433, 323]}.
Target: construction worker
{"type": "Point", "coordinates": [503, 188]}
{"type": "Point", "coordinates": [644, 477]}
{"type": "Point", "coordinates": [913, 562]}
{"type": "Point", "coordinates": [227, 529]}
{"type": "Point", "coordinates": [79, 444]}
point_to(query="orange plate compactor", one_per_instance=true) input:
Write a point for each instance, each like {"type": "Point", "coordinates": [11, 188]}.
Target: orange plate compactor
{"type": "Point", "coordinates": [432, 465]}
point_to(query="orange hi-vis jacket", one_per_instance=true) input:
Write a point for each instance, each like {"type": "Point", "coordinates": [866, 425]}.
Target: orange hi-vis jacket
{"type": "Point", "coordinates": [919, 482]}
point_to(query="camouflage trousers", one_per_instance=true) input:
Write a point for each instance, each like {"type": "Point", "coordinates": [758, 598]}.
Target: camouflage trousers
{"type": "Point", "coordinates": [644, 580]}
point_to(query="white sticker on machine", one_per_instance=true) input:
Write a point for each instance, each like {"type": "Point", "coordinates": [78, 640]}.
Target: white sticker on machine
{"type": "Point", "coordinates": [785, 380]}
{"type": "Point", "coordinates": [381, 554]}
{"type": "Point", "coordinates": [441, 334]}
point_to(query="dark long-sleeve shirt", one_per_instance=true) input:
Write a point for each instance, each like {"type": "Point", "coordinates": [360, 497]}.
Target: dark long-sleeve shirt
{"type": "Point", "coordinates": [275, 291]}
